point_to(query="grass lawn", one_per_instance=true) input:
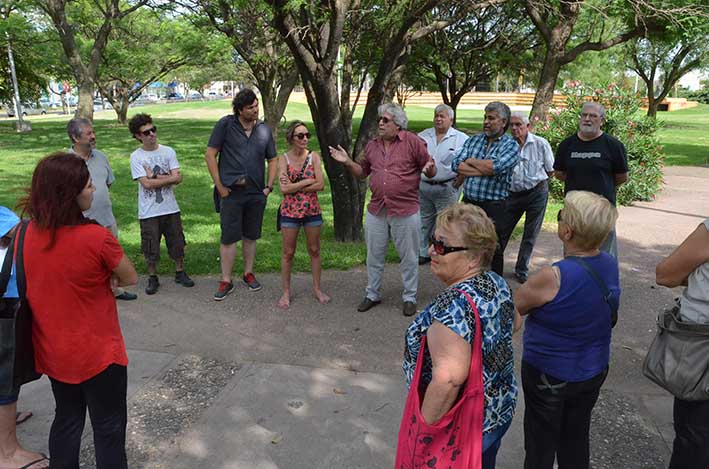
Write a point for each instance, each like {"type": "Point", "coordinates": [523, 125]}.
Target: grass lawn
{"type": "Point", "coordinates": [684, 136]}
{"type": "Point", "coordinates": [186, 127]}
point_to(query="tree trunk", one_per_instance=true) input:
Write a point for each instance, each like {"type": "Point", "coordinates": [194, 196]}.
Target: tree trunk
{"type": "Point", "coordinates": [85, 106]}
{"type": "Point", "coordinates": [544, 96]}
{"type": "Point", "coordinates": [652, 101]}
{"type": "Point", "coordinates": [348, 193]}
{"type": "Point", "coordinates": [121, 109]}
{"type": "Point", "coordinates": [275, 100]}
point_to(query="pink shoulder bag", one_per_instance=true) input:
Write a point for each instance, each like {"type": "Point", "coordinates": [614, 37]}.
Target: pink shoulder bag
{"type": "Point", "coordinates": [455, 441]}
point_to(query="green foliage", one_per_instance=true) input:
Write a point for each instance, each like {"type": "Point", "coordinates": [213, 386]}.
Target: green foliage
{"type": "Point", "coordinates": [623, 121]}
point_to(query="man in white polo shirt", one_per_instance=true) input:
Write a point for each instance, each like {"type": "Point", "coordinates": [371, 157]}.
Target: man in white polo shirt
{"type": "Point", "coordinates": [438, 192]}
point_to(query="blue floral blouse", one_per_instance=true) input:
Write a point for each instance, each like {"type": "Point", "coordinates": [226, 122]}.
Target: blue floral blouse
{"type": "Point", "coordinates": [493, 298]}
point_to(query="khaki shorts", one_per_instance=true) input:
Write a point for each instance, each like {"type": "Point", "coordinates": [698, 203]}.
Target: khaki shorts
{"type": "Point", "coordinates": [153, 229]}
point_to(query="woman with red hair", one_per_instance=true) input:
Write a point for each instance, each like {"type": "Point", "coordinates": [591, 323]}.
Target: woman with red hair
{"type": "Point", "coordinates": [70, 264]}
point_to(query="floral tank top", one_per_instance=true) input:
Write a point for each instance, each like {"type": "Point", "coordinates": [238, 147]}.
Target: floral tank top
{"type": "Point", "coordinates": [300, 204]}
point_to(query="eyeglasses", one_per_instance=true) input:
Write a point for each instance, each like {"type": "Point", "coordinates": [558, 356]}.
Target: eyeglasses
{"type": "Point", "coordinates": [558, 216]}
{"type": "Point", "coordinates": [302, 136]}
{"type": "Point", "coordinates": [386, 120]}
{"type": "Point", "coordinates": [152, 130]}
{"type": "Point", "coordinates": [441, 249]}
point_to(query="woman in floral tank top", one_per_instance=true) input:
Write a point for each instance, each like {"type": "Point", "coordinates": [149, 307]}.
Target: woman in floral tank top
{"type": "Point", "coordinates": [300, 179]}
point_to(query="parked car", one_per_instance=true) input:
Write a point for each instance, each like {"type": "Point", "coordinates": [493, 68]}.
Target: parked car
{"type": "Point", "coordinates": [175, 96]}
{"type": "Point", "coordinates": [214, 95]}
{"type": "Point", "coordinates": [151, 98]}
{"type": "Point", "coordinates": [28, 109]}
{"type": "Point", "coordinates": [194, 95]}
{"type": "Point", "coordinates": [100, 105]}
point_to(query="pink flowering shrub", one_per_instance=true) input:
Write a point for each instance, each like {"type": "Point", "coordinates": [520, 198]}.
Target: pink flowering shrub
{"type": "Point", "coordinates": [625, 121]}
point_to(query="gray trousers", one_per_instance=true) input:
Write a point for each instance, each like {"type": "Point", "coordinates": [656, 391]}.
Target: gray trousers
{"type": "Point", "coordinates": [404, 231]}
{"type": "Point", "coordinates": [432, 199]}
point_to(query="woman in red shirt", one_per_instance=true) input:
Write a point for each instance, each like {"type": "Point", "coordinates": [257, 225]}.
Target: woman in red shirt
{"type": "Point", "coordinates": [70, 264]}
{"type": "Point", "coordinates": [300, 180]}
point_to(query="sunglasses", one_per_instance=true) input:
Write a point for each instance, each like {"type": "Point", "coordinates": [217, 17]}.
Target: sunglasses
{"type": "Point", "coordinates": [386, 120]}
{"type": "Point", "coordinates": [558, 216]}
{"type": "Point", "coordinates": [152, 130]}
{"type": "Point", "coordinates": [302, 136]}
{"type": "Point", "coordinates": [441, 249]}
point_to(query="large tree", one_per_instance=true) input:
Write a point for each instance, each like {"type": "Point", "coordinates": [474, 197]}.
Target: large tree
{"type": "Point", "coordinates": [605, 24]}
{"type": "Point", "coordinates": [473, 50]}
{"type": "Point", "coordinates": [94, 21]}
{"type": "Point", "coordinates": [247, 25]}
{"type": "Point", "coordinates": [144, 48]}
{"type": "Point", "coordinates": [322, 38]}
{"type": "Point", "coordinates": [29, 43]}
{"type": "Point", "coordinates": [663, 59]}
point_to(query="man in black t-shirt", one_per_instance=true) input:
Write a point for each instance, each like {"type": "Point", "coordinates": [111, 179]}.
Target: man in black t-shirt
{"type": "Point", "coordinates": [593, 161]}
{"type": "Point", "coordinates": [243, 144]}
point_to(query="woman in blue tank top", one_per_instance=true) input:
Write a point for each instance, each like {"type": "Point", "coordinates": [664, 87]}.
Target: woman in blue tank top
{"type": "Point", "coordinates": [570, 308]}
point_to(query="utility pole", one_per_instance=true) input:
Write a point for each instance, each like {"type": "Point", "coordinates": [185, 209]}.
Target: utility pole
{"type": "Point", "coordinates": [21, 125]}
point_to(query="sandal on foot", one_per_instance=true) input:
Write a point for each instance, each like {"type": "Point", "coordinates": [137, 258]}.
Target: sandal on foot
{"type": "Point", "coordinates": [31, 465]}
{"type": "Point", "coordinates": [22, 417]}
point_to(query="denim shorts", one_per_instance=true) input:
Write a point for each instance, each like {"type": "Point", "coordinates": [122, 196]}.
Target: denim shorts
{"type": "Point", "coordinates": [5, 400]}
{"type": "Point", "coordinates": [307, 222]}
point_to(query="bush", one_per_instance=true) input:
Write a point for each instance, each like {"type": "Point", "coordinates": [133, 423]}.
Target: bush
{"type": "Point", "coordinates": [626, 122]}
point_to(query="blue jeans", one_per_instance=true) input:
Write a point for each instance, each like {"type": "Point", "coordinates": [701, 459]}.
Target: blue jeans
{"type": "Point", "coordinates": [491, 444]}
{"type": "Point", "coordinates": [532, 204]}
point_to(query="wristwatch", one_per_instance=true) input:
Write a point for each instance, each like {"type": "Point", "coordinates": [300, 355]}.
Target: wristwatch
{"type": "Point", "coordinates": [270, 189]}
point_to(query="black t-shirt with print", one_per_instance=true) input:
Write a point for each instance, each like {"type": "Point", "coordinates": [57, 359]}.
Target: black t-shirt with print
{"type": "Point", "coordinates": [591, 166]}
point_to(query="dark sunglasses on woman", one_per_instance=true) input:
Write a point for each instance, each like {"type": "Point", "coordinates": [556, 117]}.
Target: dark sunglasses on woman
{"type": "Point", "coordinates": [302, 136]}
{"type": "Point", "coordinates": [441, 249]}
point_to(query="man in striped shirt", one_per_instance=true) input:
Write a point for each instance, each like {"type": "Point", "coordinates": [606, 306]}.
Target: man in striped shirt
{"type": "Point", "coordinates": [487, 160]}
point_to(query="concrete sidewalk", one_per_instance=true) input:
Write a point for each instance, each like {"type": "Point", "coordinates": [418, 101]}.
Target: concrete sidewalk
{"type": "Point", "coordinates": [242, 384]}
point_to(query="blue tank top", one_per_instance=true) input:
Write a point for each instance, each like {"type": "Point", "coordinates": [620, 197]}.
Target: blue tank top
{"type": "Point", "coordinates": [569, 337]}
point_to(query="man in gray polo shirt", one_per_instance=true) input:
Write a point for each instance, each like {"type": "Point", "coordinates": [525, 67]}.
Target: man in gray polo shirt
{"type": "Point", "coordinates": [243, 144]}
{"type": "Point", "coordinates": [83, 144]}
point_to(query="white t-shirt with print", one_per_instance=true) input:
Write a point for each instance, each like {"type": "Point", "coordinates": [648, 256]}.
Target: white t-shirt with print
{"type": "Point", "coordinates": [143, 163]}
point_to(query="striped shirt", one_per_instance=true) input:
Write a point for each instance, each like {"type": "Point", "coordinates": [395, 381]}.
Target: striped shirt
{"type": "Point", "coordinates": [504, 153]}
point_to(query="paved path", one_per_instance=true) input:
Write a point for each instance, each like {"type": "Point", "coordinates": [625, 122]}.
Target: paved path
{"type": "Point", "coordinates": [241, 384]}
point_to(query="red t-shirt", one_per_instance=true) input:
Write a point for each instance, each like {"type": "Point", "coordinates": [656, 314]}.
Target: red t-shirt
{"type": "Point", "coordinates": [75, 329]}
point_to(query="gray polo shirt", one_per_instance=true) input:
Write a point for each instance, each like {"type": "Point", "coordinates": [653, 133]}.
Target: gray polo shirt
{"type": "Point", "coordinates": [102, 176]}
{"type": "Point", "coordinates": [242, 155]}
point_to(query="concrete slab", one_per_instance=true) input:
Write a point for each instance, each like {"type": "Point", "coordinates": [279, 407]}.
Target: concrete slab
{"type": "Point", "coordinates": [280, 416]}
{"type": "Point", "coordinates": [37, 397]}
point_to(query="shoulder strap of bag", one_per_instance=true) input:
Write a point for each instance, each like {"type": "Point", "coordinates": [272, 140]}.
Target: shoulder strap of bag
{"type": "Point", "coordinates": [20, 262]}
{"type": "Point", "coordinates": [303, 168]}
{"type": "Point", "coordinates": [7, 267]}
{"type": "Point", "coordinates": [475, 358]}
{"type": "Point", "coordinates": [601, 284]}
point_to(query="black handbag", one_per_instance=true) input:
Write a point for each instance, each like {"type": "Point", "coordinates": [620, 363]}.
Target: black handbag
{"type": "Point", "coordinates": [16, 349]}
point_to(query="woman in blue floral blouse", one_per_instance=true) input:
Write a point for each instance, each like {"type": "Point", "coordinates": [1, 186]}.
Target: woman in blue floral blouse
{"type": "Point", "coordinates": [461, 252]}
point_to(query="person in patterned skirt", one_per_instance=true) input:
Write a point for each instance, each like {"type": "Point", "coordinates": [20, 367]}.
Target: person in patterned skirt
{"type": "Point", "coordinates": [300, 179]}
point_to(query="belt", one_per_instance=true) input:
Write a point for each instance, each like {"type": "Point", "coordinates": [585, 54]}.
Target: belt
{"type": "Point", "coordinates": [436, 183]}
{"type": "Point", "coordinates": [528, 191]}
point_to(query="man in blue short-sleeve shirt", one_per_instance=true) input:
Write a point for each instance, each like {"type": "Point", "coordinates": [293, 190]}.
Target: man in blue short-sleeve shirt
{"type": "Point", "coordinates": [243, 144]}
{"type": "Point", "coordinates": [487, 160]}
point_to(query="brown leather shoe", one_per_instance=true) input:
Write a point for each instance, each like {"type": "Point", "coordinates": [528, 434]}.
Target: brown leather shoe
{"type": "Point", "coordinates": [409, 308]}
{"type": "Point", "coordinates": [367, 304]}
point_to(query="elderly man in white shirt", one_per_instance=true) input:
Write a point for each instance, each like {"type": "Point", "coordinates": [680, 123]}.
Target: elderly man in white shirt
{"type": "Point", "coordinates": [442, 190]}
{"type": "Point", "coordinates": [529, 189]}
